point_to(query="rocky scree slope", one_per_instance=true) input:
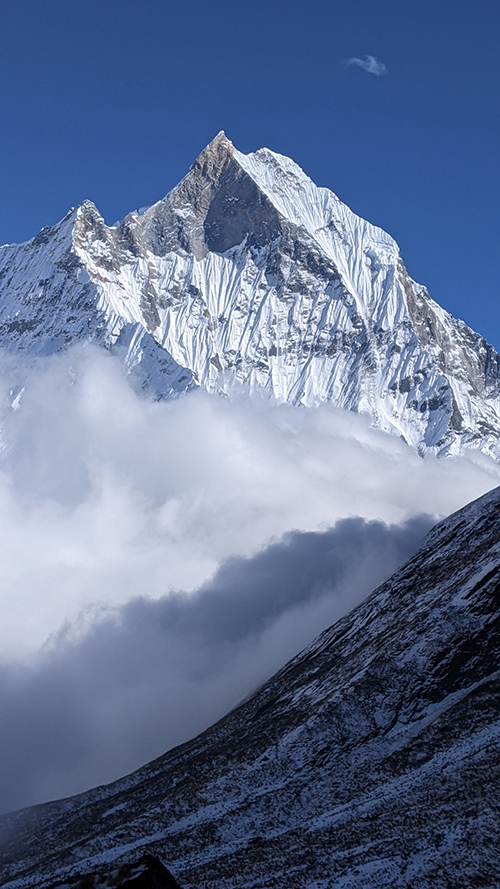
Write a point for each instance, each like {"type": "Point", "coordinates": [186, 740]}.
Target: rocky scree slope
{"type": "Point", "coordinates": [247, 273]}
{"type": "Point", "coordinates": [372, 759]}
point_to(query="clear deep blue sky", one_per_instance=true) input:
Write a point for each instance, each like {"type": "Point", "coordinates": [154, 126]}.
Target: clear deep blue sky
{"type": "Point", "coordinates": [113, 99]}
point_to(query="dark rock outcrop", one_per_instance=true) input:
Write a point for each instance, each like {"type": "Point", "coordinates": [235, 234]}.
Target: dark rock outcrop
{"type": "Point", "coordinates": [146, 873]}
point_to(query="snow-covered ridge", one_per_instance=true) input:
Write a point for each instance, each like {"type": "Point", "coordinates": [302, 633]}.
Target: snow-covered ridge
{"type": "Point", "coordinates": [249, 271]}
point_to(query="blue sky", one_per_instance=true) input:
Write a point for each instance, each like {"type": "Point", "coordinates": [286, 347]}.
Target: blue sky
{"type": "Point", "coordinates": [112, 100]}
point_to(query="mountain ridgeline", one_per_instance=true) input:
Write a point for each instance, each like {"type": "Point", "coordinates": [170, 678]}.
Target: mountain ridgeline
{"type": "Point", "coordinates": [371, 760]}
{"type": "Point", "coordinates": [249, 274]}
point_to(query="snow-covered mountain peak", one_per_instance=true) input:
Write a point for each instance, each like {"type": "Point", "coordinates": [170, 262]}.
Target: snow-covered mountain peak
{"type": "Point", "coordinates": [248, 270]}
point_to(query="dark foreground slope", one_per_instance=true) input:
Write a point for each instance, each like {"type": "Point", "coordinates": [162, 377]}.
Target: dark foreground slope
{"type": "Point", "coordinates": [371, 760]}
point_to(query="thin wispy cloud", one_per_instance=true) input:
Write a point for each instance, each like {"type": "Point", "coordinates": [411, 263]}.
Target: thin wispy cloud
{"type": "Point", "coordinates": [369, 64]}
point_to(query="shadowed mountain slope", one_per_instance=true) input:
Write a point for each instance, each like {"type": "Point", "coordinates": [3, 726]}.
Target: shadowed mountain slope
{"type": "Point", "coordinates": [372, 759]}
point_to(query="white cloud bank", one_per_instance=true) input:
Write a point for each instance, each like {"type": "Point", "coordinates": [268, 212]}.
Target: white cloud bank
{"type": "Point", "coordinates": [369, 64]}
{"type": "Point", "coordinates": [146, 586]}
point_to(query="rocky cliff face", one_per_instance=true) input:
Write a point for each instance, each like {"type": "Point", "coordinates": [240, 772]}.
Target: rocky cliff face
{"type": "Point", "coordinates": [371, 760]}
{"type": "Point", "coordinates": [248, 273]}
